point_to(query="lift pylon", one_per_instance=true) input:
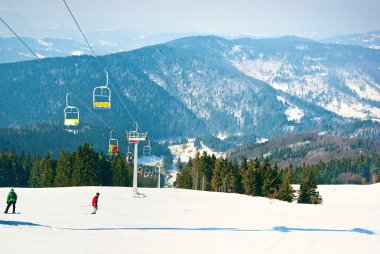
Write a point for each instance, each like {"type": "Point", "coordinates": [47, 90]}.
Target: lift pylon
{"type": "Point", "coordinates": [134, 137]}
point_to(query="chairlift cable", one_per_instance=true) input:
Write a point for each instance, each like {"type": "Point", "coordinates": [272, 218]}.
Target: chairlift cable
{"type": "Point", "coordinates": [100, 65]}
{"type": "Point", "coordinates": [26, 45]}
{"type": "Point", "coordinates": [98, 117]}
{"type": "Point", "coordinates": [97, 60]}
{"type": "Point", "coordinates": [23, 42]}
{"type": "Point", "coordinates": [21, 19]}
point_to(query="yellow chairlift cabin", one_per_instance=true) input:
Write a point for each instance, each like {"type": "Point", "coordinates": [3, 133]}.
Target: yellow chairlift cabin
{"type": "Point", "coordinates": [101, 96]}
{"type": "Point", "coordinates": [71, 114]}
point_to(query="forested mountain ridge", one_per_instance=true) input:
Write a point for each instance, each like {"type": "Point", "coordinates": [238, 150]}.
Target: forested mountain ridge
{"type": "Point", "coordinates": [190, 87]}
{"type": "Point", "coordinates": [307, 148]}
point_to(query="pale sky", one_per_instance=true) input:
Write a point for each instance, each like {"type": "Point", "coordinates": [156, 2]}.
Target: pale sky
{"type": "Point", "coordinates": [306, 18]}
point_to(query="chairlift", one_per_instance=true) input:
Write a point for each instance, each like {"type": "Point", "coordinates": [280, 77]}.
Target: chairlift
{"type": "Point", "coordinates": [129, 156]}
{"type": "Point", "coordinates": [113, 145]}
{"type": "Point", "coordinates": [147, 149]}
{"type": "Point", "coordinates": [134, 137]}
{"type": "Point", "coordinates": [71, 114]}
{"type": "Point", "coordinates": [101, 96]}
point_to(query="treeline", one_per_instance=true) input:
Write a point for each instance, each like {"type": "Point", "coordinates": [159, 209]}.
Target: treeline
{"type": "Point", "coordinates": [84, 167]}
{"type": "Point", "coordinates": [25, 138]}
{"type": "Point", "coordinates": [253, 178]}
{"type": "Point", "coordinates": [362, 169]}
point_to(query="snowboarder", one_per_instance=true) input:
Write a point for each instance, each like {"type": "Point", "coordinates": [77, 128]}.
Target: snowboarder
{"type": "Point", "coordinates": [110, 149]}
{"type": "Point", "coordinates": [95, 203]}
{"type": "Point", "coordinates": [11, 200]}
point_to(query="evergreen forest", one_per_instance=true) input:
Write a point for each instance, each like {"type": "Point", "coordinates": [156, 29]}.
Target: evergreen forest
{"type": "Point", "coordinates": [266, 179]}
{"type": "Point", "coordinates": [83, 167]}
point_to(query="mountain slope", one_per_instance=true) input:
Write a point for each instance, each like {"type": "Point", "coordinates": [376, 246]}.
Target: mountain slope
{"type": "Point", "coordinates": [342, 79]}
{"type": "Point", "coordinates": [368, 40]}
{"type": "Point", "coordinates": [198, 86]}
{"type": "Point", "coordinates": [12, 50]}
{"type": "Point", "coordinates": [307, 148]}
{"type": "Point", "coordinates": [195, 70]}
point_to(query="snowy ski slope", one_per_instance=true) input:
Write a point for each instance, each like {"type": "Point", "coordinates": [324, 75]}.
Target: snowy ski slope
{"type": "Point", "coordinates": [58, 220]}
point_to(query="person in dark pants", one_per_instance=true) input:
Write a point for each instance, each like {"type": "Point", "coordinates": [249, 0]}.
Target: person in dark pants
{"type": "Point", "coordinates": [95, 203]}
{"type": "Point", "coordinates": [11, 200]}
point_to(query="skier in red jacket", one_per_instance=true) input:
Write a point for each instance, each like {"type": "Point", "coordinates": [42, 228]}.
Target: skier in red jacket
{"type": "Point", "coordinates": [95, 203]}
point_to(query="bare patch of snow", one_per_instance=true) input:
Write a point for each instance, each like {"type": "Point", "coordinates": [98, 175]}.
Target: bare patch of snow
{"type": "Point", "coordinates": [222, 135]}
{"type": "Point", "coordinates": [77, 53]}
{"type": "Point", "coordinates": [157, 80]}
{"type": "Point", "coordinates": [282, 99]}
{"type": "Point", "coordinates": [373, 46]}
{"type": "Point", "coordinates": [353, 109]}
{"type": "Point", "coordinates": [261, 140]}
{"type": "Point", "coordinates": [302, 47]}
{"type": "Point", "coordinates": [107, 43]}
{"type": "Point", "coordinates": [44, 43]}
{"type": "Point", "coordinates": [236, 48]}
{"type": "Point", "coordinates": [294, 114]}
{"type": "Point", "coordinates": [188, 150]}
{"type": "Point", "coordinates": [298, 144]}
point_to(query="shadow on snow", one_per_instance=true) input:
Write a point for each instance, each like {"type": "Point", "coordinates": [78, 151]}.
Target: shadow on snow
{"type": "Point", "coordinates": [282, 229]}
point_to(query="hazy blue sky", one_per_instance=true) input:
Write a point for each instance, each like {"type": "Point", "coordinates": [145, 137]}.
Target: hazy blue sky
{"type": "Point", "coordinates": [307, 18]}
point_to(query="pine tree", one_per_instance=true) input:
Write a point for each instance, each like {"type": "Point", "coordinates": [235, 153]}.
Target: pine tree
{"type": "Point", "coordinates": [120, 176]}
{"type": "Point", "coordinates": [308, 193]}
{"type": "Point", "coordinates": [90, 166]}
{"type": "Point", "coordinates": [105, 170]}
{"type": "Point", "coordinates": [224, 175]}
{"type": "Point", "coordinates": [271, 179]}
{"type": "Point", "coordinates": [183, 179]}
{"type": "Point", "coordinates": [47, 172]}
{"type": "Point", "coordinates": [77, 175]}
{"type": "Point", "coordinates": [216, 179]}
{"type": "Point", "coordinates": [35, 173]}
{"type": "Point", "coordinates": [85, 167]}
{"type": "Point", "coordinates": [286, 191]}
{"type": "Point", "coordinates": [178, 183]}
{"type": "Point", "coordinates": [231, 177]}
{"type": "Point", "coordinates": [195, 170]}
{"type": "Point", "coordinates": [63, 171]}
{"type": "Point", "coordinates": [206, 170]}
{"type": "Point", "coordinates": [252, 179]}
{"type": "Point", "coordinates": [238, 188]}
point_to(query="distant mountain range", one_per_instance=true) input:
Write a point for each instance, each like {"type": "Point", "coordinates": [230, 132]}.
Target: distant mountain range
{"type": "Point", "coordinates": [106, 42]}
{"type": "Point", "coordinates": [205, 86]}
{"type": "Point", "coordinates": [368, 40]}
{"type": "Point", "coordinates": [308, 148]}
{"type": "Point", "coordinates": [12, 50]}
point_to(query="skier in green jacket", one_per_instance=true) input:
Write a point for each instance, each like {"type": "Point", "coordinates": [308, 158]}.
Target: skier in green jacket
{"type": "Point", "coordinates": [11, 200]}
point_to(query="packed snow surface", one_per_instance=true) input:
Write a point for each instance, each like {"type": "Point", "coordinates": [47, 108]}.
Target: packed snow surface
{"type": "Point", "coordinates": [58, 220]}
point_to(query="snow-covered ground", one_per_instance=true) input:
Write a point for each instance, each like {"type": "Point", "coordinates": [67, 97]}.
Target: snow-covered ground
{"type": "Point", "coordinates": [58, 220]}
{"type": "Point", "coordinates": [188, 150]}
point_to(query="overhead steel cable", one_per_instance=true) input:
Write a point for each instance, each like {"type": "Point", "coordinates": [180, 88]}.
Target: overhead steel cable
{"type": "Point", "coordinates": [97, 60]}
{"type": "Point", "coordinates": [21, 19]}
{"type": "Point", "coordinates": [89, 109]}
{"type": "Point", "coordinates": [99, 118]}
{"type": "Point", "coordinates": [23, 42]}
